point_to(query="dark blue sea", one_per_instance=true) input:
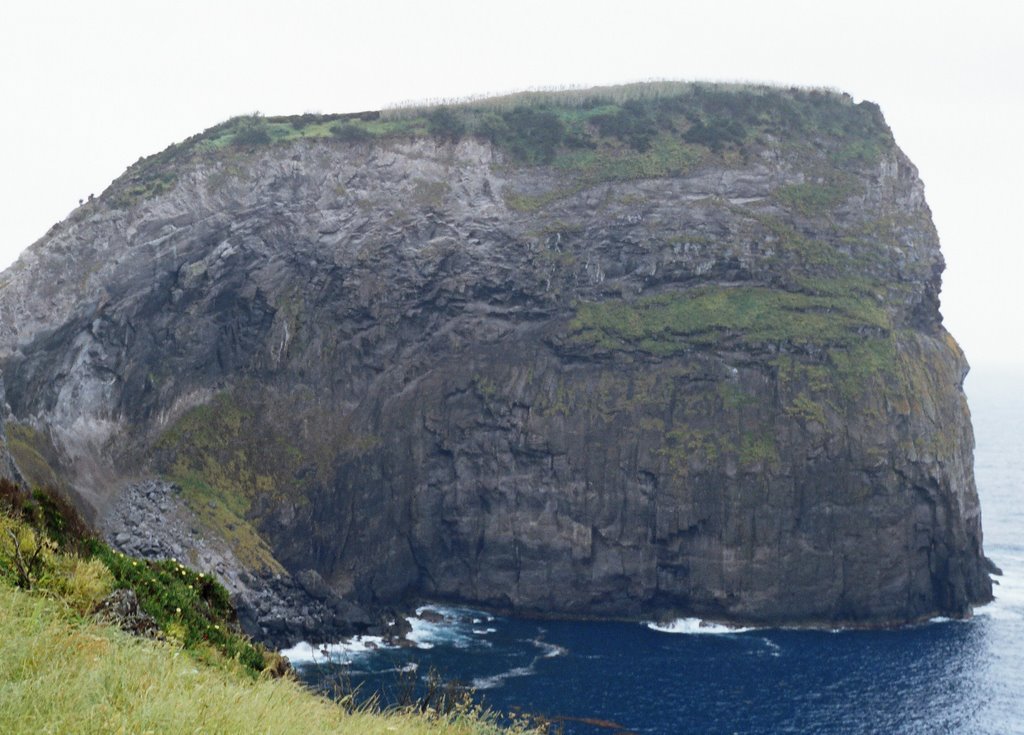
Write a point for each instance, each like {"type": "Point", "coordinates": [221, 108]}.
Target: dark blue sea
{"type": "Point", "coordinates": [592, 678]}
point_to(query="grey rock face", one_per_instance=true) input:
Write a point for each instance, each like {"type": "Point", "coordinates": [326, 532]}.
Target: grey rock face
{"type": "Point", "coordinates": [8, 470]}
{"type": "Point", "coordinates": [121, 608]}
{"type": "Point", "coordinates": [149, 521]}
{"type": "Point", "coordinates": [422, 371]}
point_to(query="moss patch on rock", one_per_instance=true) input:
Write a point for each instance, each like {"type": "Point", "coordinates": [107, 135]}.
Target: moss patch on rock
{"type": "Point", "coordinates": [34, 455]}
{"type": "Point", "coordinates": [223, 464]}
{"type": "Point", "coordinates": [748, 316]}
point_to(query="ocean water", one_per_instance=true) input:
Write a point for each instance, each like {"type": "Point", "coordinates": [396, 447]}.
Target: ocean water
{"type": "Point", "coordinates": [589, 677]}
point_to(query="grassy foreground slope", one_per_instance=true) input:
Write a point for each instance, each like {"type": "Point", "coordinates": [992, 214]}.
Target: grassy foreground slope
{"type": "Point", "coordinates": [60, 673]}
{"type": "Point", "coordinates": [63, 670]}
{"type": "Point", "coordinates": [63, 674]}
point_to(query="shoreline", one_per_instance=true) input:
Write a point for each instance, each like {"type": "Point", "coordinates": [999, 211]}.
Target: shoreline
{"type": "Point", "coordinates": [441, 613]}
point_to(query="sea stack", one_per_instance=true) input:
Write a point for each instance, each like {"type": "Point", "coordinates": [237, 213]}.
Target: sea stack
{"type": "Point", "coordinates": [664, 349]}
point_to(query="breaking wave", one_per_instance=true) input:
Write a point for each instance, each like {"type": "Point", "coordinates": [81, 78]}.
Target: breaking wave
{"type": "Point", "coordinates": [343, 652]}
{"type": "Point", "coordinates": [447, 626]}
{"type": "Point", "coordinates": [696, 626]}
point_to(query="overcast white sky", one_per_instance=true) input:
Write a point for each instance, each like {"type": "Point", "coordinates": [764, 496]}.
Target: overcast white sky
{"type": "Point", "coordinates": [88, 87]}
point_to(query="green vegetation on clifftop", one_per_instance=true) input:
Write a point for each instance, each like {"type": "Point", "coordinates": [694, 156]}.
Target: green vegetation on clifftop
{"type": "Point", "coordinates": [599, 134]}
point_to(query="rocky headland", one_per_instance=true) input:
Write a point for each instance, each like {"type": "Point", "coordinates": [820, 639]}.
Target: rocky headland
{"type": "Point", "coordinates": [645, 351]}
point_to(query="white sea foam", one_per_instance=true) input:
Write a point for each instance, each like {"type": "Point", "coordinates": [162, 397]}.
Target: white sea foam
{"type": "Point", "coordinates": [404, 669]}
{"type": "Point", "coordinates": [492, 682]}
{"type": "Point", "coordinates": [453, 629]}
{"type": "Point", "coordinates": [484, 631]}
{"type": "Point", "coordinates": [696, 626]}
{"type": "Point", "coordinates": [343, 652]}
{"type": "Point", "coordinates": [774, 649]}
{"type": "Point", "coordinates": [423, 633]}
{"type": "Point", "coordinates": [455, 613]}
{"type": "Point", "coordinates": [550, 649]}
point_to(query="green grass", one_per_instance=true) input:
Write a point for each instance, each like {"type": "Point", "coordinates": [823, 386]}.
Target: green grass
{"type": "Point", "coordinates": [222, 510]}
{"type": "Point", "coordinates": [61, 673]}
{"type": "Point", "coordinates": [234, 132]}
{"type": "Point", "coordinates": [849, 334]}
{"type": "Point", "coordinates": [843, 376]}
{"type": "Point", "coordinates": [814, 198]}
{"type": "Point", "coordinates": [685, 444]}
{"type": "Point", "coordinates": [146, 188]}
{"type": "Point", "coordinates": [806, 409]}
{"type": "Point", "coordinates": [667, 155]}
{"type": "Point", "coordinates": [870, 362]}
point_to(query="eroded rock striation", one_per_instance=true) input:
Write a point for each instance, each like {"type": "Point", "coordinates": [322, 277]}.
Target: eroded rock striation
{"type": "Point", "coordinates": [654, 350]}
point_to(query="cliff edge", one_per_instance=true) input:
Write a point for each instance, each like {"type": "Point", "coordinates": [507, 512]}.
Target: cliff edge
{"type": "Point", "coordinates": [661, 349]}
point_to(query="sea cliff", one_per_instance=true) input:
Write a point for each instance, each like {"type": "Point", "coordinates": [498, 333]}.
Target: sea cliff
{"type": "Point", "coordinates": [655, 350]}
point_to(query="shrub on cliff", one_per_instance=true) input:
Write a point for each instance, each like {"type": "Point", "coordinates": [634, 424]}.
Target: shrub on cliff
{"type": "Point", "coordinates": [632, 123]}
{"type": "Point", "coordinates": [350, 132]}
{"type": "Point", "coordinates": [445, 125]}
{"type": "Point", "coordinates": [531, 135]}
{"type": "Point", "coordinates": [33, 527]}
{"type": "Point", "coordinates": [716, 133]}
{"type": "Point", "coordinates": [251, 132]}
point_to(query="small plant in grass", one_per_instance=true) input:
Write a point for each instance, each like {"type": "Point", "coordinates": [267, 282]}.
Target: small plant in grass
{"type": "Point", "coordinates": [81, 583]}
{"type": "Point", "coordinates": [350, 132]}
{"type": "Point", "coordinates": [25, 553]}
{"type": "Point", "coordinates": [30, 524]}
{"type": "Point", "coordinates": [299, 122]}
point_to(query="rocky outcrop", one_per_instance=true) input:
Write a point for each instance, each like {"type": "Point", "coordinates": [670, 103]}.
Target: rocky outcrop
{"type": "Point", "coordinates": [8, 470]}
{"type": "Point", "coordinates": [121, 608]}
{"type": "Point", "coordinates": [150, 521]}
{"type": "Point", "coordinates": [687, 358]}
